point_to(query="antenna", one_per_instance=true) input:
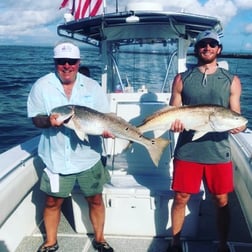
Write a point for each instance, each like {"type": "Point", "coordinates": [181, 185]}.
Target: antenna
{"type": "Point", "coordinates": [116, 6]}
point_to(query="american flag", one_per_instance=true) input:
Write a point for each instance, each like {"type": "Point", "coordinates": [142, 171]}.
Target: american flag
{"type": "Point", "coordinates": [83, 8]}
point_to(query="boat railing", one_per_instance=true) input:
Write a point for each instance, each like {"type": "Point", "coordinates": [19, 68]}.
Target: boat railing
{"type": "Point", "coordinates": [117, 72]}
{"type": "Point", "coordinates": [168, 72]}
{"type": "Point", "coordinates": [243, 144]}
{"type": "Point", "coordinates": [160, 84]}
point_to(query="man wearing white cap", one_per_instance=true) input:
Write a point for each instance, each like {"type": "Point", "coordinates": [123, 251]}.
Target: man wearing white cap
{"type": "Point", "coordinates": [68, 159]}
{"type": "Point", "coordinates": [209, 157]}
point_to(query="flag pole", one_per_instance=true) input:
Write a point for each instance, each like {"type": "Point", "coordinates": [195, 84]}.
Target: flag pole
{"type": "Point", "coordinates": [116, 6]}
{"type": "Point", "coordinates": [104, 6]}
{"type": "Point", "coordinates": [73, 8]}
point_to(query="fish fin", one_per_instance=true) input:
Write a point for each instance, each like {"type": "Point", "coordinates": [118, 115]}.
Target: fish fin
{"type": "Point", "coordinates": [198, 134]}
{"type": "Point", "coordinates": [156, 149]}
{"type": "Point", "coordinates": [74, 125]}
{"type": "Point", "coordinates": [159, 132]}
{"type": "Point", "coordinates": [81, 135]}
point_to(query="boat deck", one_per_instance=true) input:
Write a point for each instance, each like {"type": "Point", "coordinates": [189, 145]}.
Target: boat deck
{"type": "Point", "coordinates": [206, 240]}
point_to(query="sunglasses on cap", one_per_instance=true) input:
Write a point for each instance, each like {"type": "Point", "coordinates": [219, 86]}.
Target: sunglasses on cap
{"type": "Point", "coordinates": [63, 61]}
{"type": "Point", "coordinates": [203, 44]}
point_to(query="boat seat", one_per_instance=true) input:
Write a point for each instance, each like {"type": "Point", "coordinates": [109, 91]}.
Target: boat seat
{"type": "Point", "coordinates": [143, 202]}
{"type": "Point", "coordinates": [134, 107]}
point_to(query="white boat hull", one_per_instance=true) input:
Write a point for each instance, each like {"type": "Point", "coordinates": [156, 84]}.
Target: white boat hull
{"type": "Point", "coordinates": [241, 145]}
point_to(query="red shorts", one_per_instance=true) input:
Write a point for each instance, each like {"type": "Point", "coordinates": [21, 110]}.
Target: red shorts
{"type": "Point", "coordinates": [187, 177]}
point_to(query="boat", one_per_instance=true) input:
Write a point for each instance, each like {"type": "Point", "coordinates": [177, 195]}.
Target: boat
{"type": "Point", "coordinates": [139, 197]}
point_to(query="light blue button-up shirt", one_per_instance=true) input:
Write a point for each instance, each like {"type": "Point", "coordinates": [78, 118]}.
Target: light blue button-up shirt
{"type": "Point", "coordinates": [60, 148]}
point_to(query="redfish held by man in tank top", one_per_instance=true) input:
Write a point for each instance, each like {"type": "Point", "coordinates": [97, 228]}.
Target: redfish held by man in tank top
{"type": "Point", "coordinates": [200, 118]}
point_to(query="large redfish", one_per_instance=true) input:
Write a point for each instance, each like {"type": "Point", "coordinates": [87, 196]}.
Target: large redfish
{"type": "Point", "coordinates": [86, 121]}
{"type": "Point", "coordinates": [200, 118]}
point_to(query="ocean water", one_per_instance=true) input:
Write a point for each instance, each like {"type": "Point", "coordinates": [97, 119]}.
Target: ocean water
{"type": "Point", "coordinates": [21, 66]}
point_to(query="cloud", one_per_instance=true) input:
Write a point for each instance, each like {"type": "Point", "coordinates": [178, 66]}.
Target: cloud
{"type": "Point", "coordinates": [248, 46]}
{"type": "Point", "coordinates": [244, 4]}
{"type": "Point", "coordinates": [28, 18]}
{"type": "Point", "coordinates": [221, 9]}
{"type": "Point", "coordinates": [248, 28]}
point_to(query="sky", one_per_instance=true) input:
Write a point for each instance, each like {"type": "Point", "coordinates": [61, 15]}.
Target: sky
{"type": "Point", "coordinates": [30, 22]}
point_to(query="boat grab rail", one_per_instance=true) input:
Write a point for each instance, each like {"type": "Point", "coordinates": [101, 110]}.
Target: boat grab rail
{"type": "Point", "coordinates": [244, 141]}
{"type": "Point", "coordinates": [168, 70]}
{"type": "Point", "coordinates": [172, 55]}
{"type": "Point", "coordinates": [117, 71]}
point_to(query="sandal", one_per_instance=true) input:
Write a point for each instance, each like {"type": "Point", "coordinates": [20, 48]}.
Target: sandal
{"type": "Point", "coordinates": [52, 248]}
{"type": "Point", "coordinates": [102, 246]}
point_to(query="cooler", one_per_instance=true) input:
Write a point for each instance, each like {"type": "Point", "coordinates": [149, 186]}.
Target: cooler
{"type": "Point", "coordinates": [138, 206]}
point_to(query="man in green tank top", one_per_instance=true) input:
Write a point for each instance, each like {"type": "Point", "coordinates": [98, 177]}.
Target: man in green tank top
{"type": "Point", "coordinates": [210, 155]}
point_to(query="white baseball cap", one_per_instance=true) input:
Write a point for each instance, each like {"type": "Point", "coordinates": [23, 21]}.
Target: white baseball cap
{"type": "Point", "coordinates": [66, 50]}
{"type": "Point", "coordinates": [208, 35]}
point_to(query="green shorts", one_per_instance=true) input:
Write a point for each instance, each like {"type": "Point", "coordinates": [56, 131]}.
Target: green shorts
{"type": "Point", "coordinates": [91, 182]}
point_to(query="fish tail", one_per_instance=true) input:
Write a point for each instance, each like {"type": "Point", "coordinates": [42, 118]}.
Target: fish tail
{"type": "Point", "coordinates": [156, 149]}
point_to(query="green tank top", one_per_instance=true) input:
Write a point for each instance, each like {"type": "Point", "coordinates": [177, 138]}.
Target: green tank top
{"type": "Point", "coordinates": [205, 89]}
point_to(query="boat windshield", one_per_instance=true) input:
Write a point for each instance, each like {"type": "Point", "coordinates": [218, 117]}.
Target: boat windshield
{"type": "Point", "coordinates": [143, 67]}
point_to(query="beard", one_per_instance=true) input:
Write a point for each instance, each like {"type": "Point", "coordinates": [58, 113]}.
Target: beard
{"type": "Point", "coordinates": [206, 57]}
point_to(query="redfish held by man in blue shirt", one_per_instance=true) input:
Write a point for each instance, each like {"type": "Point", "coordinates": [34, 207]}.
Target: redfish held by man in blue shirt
{"type": "Point", "coordinates": [86, 121]}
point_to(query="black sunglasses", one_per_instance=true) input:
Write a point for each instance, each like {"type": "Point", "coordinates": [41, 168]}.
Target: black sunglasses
{"type": "Point", "coordinates": [212, 44]}
{"type": "Point", "coordinates": [63, 61]}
